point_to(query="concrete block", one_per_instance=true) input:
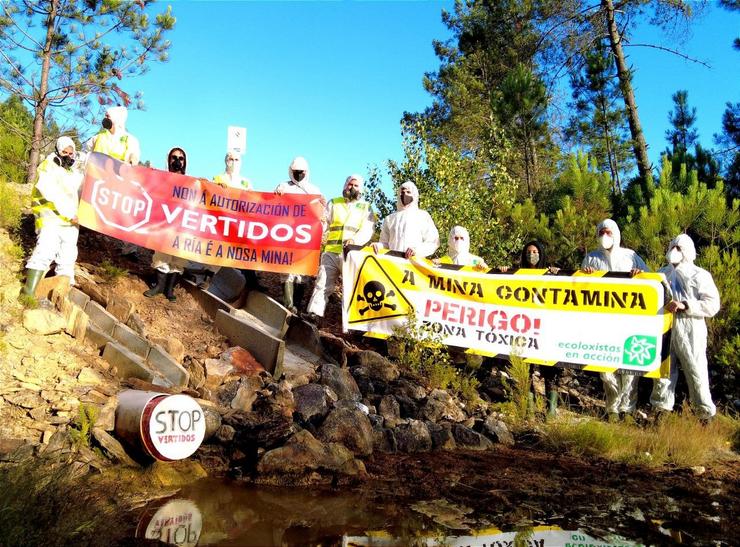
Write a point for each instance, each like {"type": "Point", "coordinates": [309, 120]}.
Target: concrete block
{"type": "Point", "coordinates": [127, 337]}
{"type": "Point", "coordinates": [162, 362]}
{"type": "Point", "coordinates": [269, 310]}
{"type": "Point", "coordinates": [120, 309]}
{"type": "Point", "coordinates": [256, 321]}
{"type": "Point", "coordinates": [227, 284]}
{"type": "Point", "coordinates": [100, 318]}
{"type": "Point", "coordinates": [208, 302]}
{"type": "Point", "coordinates": [97, 337]}
{"type": "Point", "coordinates": [127, 363]}
{"type": "Point", "coordinates": [77, 322]}
{"type": "Point", "coordinates": [267, 349]}
{"type": "Point", "coordinates": [78, 297]}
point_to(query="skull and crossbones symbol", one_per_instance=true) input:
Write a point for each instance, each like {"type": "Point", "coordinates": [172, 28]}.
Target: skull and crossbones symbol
{"type": "Point", "coordinates": [375, 296]}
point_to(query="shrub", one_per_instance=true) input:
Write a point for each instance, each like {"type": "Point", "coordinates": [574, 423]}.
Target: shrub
{"type": "Point", "coordinates": [10, 206]}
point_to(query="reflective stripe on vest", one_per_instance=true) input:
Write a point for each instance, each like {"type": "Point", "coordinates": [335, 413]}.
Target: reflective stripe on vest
{"type": "Point", "coordinates": [109, 144]}
{"type": "Point", "coordinates": [44, 211]}
{"type": "Point", "coordinates": [346, 220]}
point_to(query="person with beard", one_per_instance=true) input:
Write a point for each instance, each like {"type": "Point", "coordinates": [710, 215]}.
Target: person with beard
{"type": "Point", "coordinates": [458, 250]}
{"type": "Point", "coordinates": [167, 267]}
{"type": "Point", "coordinates": [409, 230]}
{"type": "Point", "coordinates": [620, 390]}
{"type": "Point", "coordinates": [114, 140]}
{"type": "Point", "coordinates": [299, 183]}
{"type": "Point", "coordinates": [54, 202]}
{"type": "Point", "coordinates": [694, 297]}
{"type": "Point", "coordinates": [231, 177]}
{"type": "Point", "coordinates": [351, 222]}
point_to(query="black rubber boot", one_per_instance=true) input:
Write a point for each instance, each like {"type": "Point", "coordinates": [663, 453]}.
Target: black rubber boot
{"type": "Point", "coordinates": [32, 280]}
{"type": "Point", "coordinates": [552, 404]}
{"type": "Point", "coordinates": [159, 287]}
{"type": "Point", "coordinates": [169, 286]}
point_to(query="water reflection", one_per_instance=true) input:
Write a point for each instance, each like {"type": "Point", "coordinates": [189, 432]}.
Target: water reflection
{"type": "Point", "coordinates": [214, 513]}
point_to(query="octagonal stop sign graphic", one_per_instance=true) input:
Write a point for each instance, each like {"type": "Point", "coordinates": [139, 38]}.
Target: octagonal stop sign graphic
{"type": "Point", "coordinates": [123, 204]}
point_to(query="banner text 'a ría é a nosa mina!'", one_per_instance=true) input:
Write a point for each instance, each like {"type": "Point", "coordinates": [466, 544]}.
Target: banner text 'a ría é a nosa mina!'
{"type": "Point", "coordinates": [194, 219]}
{"type": "Point", "coordinates": [600, 322]}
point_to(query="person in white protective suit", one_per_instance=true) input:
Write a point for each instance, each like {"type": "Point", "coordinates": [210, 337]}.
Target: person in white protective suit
{"type": "Point", "coordinates": [231, 177]}
{"type": "Point", "coordinates": [409, 230]}
{"type": "Point", "coordinates": [169, 268]}
{"type": "Point", "coordinates": [620, 390]}
{"type": "Point", "coordinates": [458, 250]}
{"type": "Point", "coordinates": [694, 296]}
{"type": "Point", "coordinates": [114, 140]}
{"type": "Point", "coordinates": [299, 183]}
{"type": "Point", "coordinates": [351, 222]}
{"type": "Point", "coordinates": [54, 201]}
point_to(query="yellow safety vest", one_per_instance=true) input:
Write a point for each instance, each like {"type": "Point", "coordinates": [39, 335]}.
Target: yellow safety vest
{"type": "Point", "coordinates": [225, 180]}
{"type": "Point", "coordinates": [112, 145]}
{"type": "Point", "coordinates": [347, 218]}
{"type": "Point", "coordinates": [44, 211]}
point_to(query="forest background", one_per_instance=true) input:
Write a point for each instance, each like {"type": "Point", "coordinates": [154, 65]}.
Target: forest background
{"type": "Point", "coordinates": [491, 152]}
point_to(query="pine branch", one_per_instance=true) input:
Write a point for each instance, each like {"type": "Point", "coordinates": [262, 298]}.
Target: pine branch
{"type": "Point", "coordinates": [669, 50]}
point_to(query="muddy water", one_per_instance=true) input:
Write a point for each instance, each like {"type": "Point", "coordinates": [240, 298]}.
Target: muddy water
{"type": "Point", "coordinates": [219, 513]}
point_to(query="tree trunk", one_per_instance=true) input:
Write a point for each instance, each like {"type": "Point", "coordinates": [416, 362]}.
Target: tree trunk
{"type": "Point", "coordinates": [639, 146]}
{"type": "Point", "coordinates": [610, 154]}
{"type": "Point", "coordinates": [41, 100]}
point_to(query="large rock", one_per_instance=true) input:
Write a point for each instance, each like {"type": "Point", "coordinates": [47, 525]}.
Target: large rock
{"type": "Point", "coordinates": [413, 437]}
{"type": "Point", "coordinates": [406, 388]}
{"type": "Point", "coordinates": [246, 393]}
{"type": "Point", "coordinates": [312, 402]}
{"type": "Point", "coordinates": [304, 454]}
{"type": "Point", "coordinates": [467, 438]}
{"type": "Point", "coordinates": [441, 405]}
{"type": "Point", "coordinates": [258, 429]}
{"type": "Point", "coordinates": [442, 437]}
{"type": "Point", "coordinates": [376, 366]}
{"type": "Point", "coordinates": [43, 321]}
{"type": "Point", "coordinates": [242, 361]}
{"type": "Point", "coordinates": [340, 381]}
{"type": "Point", "coordinates": [384, 440]}
{"type": "Point", "coordinates": [498, 431]}
{"type": "Point", "coordinates": [351, 427]}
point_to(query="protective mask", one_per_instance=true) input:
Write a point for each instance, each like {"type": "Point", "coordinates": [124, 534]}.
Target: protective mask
{"type": "Point", "coordinates": [533, 258]}
{"type": "Point", "coordinates": [675, 256]}
{"type": "Point", "coordinates": [107, 124]}
{"type": "Point", "coordinates": [607, 241]}
{"type": "Point", "coordinates": [406, 199]}
{"type": "Point", "coordinates": [351, 194]}
{"type": "Point", "coordinates": [64, 161]}
{"type": "Point", "coordinates": [177, 166]}
{"type": "Point", "coordinates": [299, 175]}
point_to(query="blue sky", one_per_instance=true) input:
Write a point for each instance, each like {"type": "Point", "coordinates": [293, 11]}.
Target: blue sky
{"type": "Point", "coordinates": [331, 80]}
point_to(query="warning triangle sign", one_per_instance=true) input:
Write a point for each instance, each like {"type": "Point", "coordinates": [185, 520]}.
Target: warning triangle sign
{"type": "Point", "coordinates": [375, 295]}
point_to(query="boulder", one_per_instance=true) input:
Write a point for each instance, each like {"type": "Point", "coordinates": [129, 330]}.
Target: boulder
{"type": "Point", "coordinates": [312, 401]}
{"type": "Point", "coordinates": [441, 405]}
{"type": "Point", "coordinates": [413, 437]}
{"type": "Point", "coordinates": [280, 399]}
{"type": "Point", "coordinates": [497, 430]}
{"type": "Point", "coordinates": [384, 440]}
{"type": "Point", "coordinates": [225, 434]}
{"type": "Point", "coordinates": [467, 438]}
{"type": "Point", "coordinates": [442, 437]}
{"type": "Point", "coordinates": [408, 389]}
{"type": "Point", "coordinates": [242, 361]}
{"type": "Point", "coordinates": [389, 408]}
{"type": "Point", "coordinates": [351, 427]}
{"type": "Point", "coordinates": [213, 420]}
{"type": "Point", "coordinates": [376, 366]}
{"type": "Point", "coordinates": [43, 321]}
{"type": "Point", "coordinates": [112, 447]}
{"type": "Point", "coordinates": [340, 381]}
{"type": "Point", "coordinates": [334, 348]}
{"type": "Point", "coordinates": [304, 454]}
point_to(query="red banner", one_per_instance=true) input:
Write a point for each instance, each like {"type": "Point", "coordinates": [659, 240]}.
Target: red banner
{"type": "Point", "coordinates": [201, 221]}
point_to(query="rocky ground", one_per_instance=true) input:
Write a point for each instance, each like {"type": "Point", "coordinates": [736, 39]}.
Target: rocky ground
{"type": "Point", "coordinates": [354, 419]}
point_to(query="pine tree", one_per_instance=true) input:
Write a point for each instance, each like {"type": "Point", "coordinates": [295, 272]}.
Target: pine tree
{"type": "Point", "coordinates": [683, 135]}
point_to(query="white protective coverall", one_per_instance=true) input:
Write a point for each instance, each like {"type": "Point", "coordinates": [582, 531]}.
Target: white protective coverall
{"type": "Point", "coordinates": [458, 250]}
{"type": "Point", "coordinates": [55, 199]}
{"type": "Point", "coordinates": [231, 177]}
{"type": "Point", "coordinates": [409, 227]}
{"type": "Point", "coordinates": [116, 142]}
{"type": "Point", "coordinates": [350, 220]}
{"type": "Point", "coordinates": [164, 262]}
{"type": "Point", "coordinates": [695, 288]}
{"type": "Point", "coordinates": [620, 390]}
{"type": "Point", "coordinates": [294, 186]}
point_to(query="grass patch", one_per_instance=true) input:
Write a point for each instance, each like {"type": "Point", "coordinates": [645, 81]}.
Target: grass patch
{"type": "Point", "coordinates": [110, 272]}
{"type": "Point", "coordinates": [678, 439]}
{"type": "Point", "coordinates": [81, 429]}
{"type": "Point", "coordinates": [10, 206]}
{"type": "Point", "coordinates": [28, 301]}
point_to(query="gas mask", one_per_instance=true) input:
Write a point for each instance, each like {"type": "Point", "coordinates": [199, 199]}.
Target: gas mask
{"type": "Point", "coordinates": [298, 176]}
{"type": "Point", "coordinates": [351, 194]}
{"type": "Point", "coordinates": [177, 165]}
{"type": "Point", "coordinates": [675, 256]}
{"type": "Point", "coordinates": [406, 199]}
{"type": "Point", "coordinates": [607, 241]}
{"type": "Point", "coordinates": [533, 257]}
{"type": "Point", "coordinates": [64, 161]}
{"type": "Point", "coordinates": [107, 124]}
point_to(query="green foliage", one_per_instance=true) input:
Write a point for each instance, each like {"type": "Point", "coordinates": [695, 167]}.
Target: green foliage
{"type": "Point", "coordinates": [81, 430]}
{"type": "Point", "coordinates": [110, 272]}
{"type": "Point", "coordinates": [28, 301]}
{"type": "Point", "coordinates": [520, 383]}
{"type": "Point", "coordinates": [15, 131]}
{"type": "Point", "coordinates": [10, 206]}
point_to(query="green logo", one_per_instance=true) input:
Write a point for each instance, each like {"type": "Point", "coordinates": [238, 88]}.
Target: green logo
{"type": "Point", "coordinates": [639, 350]}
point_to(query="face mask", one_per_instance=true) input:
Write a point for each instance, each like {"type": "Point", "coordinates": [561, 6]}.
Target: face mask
{"type": "Point", "coordinates": [675, 256]}
{"type": "Point", "coordinates": [406, 199]}
{"type": "Point", "coordinates": [299, 175]}
{"type": "Point", "coordinates": [177, 166]}
{"type": "Point", "coordinates": [351, 194]}
{"type": "Point", "coordinates": [64, 161]}
{"type": "Point", "coordinates": [107, 124]}
{"type": "Point", "coordinates": [607, 241]}
{"type": "Point", "coordinates": [533, 258]}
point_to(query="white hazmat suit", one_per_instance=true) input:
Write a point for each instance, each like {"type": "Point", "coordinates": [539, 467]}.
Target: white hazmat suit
{"type": "Point", "coordinates": [458, 250]}
{"type": "Point", "coordinates": [409, 227]}
{"type": "Point", "coordinates": [694, 288]}
{"type": "Point", "coordinates": [620, 390]}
